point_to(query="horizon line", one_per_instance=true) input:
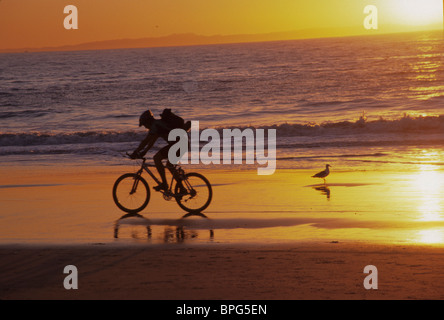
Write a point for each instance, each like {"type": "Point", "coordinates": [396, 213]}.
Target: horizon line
{"type": "Point", "coordinates": [198, 40]}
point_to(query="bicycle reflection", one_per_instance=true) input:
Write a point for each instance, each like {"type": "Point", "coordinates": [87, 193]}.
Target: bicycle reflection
{"type": "Point", "coordinates": [171, 233]}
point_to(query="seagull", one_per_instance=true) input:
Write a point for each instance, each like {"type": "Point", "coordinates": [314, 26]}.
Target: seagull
{"type": "Point", "coordinates": [323, 174]}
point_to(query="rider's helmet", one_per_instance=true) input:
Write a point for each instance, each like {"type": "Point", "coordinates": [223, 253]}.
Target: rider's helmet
{"type": "Point", "coordinates": [145, 118]}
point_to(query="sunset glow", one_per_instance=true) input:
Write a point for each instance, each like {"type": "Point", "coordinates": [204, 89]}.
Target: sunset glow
{"type": "Point", "coordinates": [36, 24]}
{"type": "Point", "coordinates": [414, 12]}
{"type": "Point", "coordinates": [221, 150]}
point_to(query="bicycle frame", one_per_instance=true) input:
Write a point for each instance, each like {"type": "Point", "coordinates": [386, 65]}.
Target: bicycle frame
{"type": "Point", "coordinates": [186, 192]}
{"type": "Point", "coordinates": [146, 167]}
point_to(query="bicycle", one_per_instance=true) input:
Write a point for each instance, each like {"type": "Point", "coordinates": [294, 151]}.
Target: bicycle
{"type": "Point", "coordinates": [192, 191]}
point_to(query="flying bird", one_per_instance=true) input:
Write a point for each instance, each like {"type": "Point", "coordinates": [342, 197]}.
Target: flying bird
{"type": "Point", "coordinates": [323, 174]}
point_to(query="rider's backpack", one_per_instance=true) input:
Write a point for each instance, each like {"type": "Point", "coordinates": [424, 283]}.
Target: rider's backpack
{"type": "Point", "coordinates": [173, 121]}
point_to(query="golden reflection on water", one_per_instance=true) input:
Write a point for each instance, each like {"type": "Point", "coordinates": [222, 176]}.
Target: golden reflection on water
{"type": "Point", "coordinates": [425, 70]}
{"type": "Point", "coordinates": [432, 236]}
{"type": "Point", "coordinates": [428, 184]}
{"type": "Point", "coordinates": [425, 93]}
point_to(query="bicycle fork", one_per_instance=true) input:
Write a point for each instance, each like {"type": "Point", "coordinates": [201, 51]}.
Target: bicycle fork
{"type": "Point", "coordinates": [136, 182]}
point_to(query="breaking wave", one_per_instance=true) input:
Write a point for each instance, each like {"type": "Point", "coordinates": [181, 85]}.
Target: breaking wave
{"type": "Point", "coordinates": [404, 125]}
{"type": "Point", "coordinates": [381, 131]}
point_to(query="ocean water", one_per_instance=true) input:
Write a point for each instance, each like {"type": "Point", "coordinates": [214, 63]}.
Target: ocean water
{"type": "Point", "coordinates": [356, 103]}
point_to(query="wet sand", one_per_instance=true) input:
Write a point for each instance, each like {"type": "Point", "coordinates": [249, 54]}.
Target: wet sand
{"type": "Point", "coordinates": [225, 272]}
{"type": "Point", "coordinates": [281, 237]}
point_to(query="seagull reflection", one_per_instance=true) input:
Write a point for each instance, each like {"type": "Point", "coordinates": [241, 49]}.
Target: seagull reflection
{"type": "Point", "coordinates": [178, 234]}
{"type": "Point", "coordinates": [324, 190]}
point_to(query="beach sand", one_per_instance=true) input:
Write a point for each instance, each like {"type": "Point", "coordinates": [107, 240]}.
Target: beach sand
{"type": "Point", "coordinates": [236, 272]}
{"type": "Point", "coordinates": [279, 237]}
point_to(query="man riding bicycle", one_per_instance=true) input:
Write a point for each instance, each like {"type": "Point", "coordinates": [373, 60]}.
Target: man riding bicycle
{"type": "Point", "coordinates": [157, 129]}
{"type": "Point", "coordinates": [192, 191]}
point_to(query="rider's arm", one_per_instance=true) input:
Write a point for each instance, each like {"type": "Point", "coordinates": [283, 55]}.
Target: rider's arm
{"type": "Point", "coordinates": [146, 144]}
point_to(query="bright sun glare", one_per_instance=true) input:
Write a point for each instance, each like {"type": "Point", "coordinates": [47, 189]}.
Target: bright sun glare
{"type": "Point", "coordinates": [428, 184]}
{"type": "Point", "coordinates": [418, 12]}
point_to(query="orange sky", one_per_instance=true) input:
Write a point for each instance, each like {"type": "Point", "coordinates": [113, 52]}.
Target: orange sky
{"type": "Point", "coordinates": [39, 23]}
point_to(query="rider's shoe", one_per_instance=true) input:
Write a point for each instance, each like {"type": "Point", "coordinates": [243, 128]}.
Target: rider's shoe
{"type": "Point", "coordinates": [182, 192]}
{"type": "Point", "coordinates": [182, 189]}
{"type": "Point", "coordinates": [162, 186]}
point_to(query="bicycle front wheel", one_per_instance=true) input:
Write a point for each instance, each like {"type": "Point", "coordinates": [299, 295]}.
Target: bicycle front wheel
{"type": "Point", "coordinates": [131, 193]}
{"type": "Point", "coordinates": [195, 194]}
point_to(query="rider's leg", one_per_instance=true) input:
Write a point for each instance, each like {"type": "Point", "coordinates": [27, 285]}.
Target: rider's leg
{"type": "Point", "coordinates": [176, 176]}
{"type": "Point", "coordinates": [158, 157]}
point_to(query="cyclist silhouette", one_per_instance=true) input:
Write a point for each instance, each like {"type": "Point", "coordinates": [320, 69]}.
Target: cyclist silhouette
{"type": "Point", "coordinates": [157, 129]}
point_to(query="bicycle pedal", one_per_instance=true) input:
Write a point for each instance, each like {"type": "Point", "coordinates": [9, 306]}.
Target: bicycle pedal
{"type": "Point", "coordinates": [167, 195]}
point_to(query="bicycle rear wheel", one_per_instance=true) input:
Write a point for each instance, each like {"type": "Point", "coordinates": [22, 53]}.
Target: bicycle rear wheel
{"type": "Point", "coordinates": [196, 193]}
{"type": "Point", "coordinates": [131, 193]}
